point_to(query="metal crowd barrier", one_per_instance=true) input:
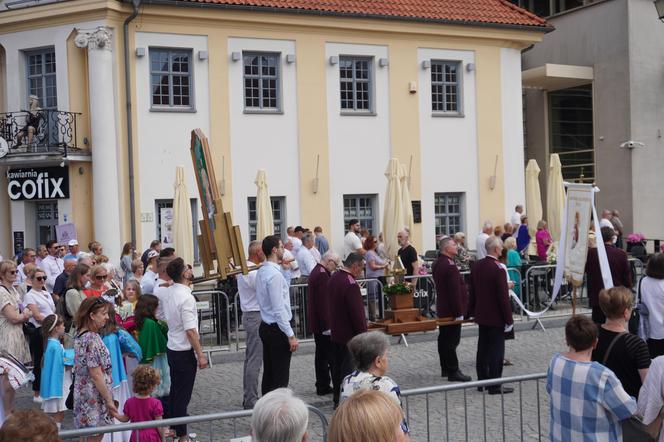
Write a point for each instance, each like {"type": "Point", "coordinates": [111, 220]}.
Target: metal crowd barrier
{"type": "Point", "coordinates": [214, 431]}
{"type": "Point", "coordinates": [459, 412]}
{"type": "Point", "coordinates": [214, 320]}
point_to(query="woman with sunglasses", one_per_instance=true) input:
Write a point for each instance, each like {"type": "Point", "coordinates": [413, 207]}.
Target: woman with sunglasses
{"type": "Point", "coordinates": [93, 372]}
{"type": "Point", "coordinates": [98, 277]}
{"type": "Point", "coordinates": [41, 304]}
{"type": "Point", "coordinates": [12, 339]}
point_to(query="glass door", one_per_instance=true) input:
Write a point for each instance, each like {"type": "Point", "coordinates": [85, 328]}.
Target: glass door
{"type": "Point", "coordinates": [47, 219]}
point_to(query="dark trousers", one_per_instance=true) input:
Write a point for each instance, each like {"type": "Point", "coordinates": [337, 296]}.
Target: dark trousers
{"type": "Point", "coordinates": [276, 357]}
{"type": "Point", "coordinates": [598, 315]}
{"type": "Point", "coordinates": [183, 367]}
{"type": "Point", "coordinates": [323, 361]}
{"type": "Point", "coordinates": [342, 366]}
{"type": "Point", "coordinates": [448, 340]}
{"type": "Point", "coordinates": [655, 346]}
{"type": "Point", "coordinates": [36, 343]}
{"type": "Point", "coordinates": [490, 353]}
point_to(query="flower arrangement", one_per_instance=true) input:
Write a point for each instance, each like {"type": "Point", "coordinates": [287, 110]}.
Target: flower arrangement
{"type": "Point", "coordinates": [635, 238]}
{"type": "Point", "coordinates": [401, 288]}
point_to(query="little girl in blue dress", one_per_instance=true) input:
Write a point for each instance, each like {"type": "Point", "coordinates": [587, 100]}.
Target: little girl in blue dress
{"type": "Point", "coordinates": [56, 369]}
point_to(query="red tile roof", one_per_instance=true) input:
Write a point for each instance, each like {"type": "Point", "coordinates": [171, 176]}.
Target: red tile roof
{"type": "Point", "coordinates": [489, 12]}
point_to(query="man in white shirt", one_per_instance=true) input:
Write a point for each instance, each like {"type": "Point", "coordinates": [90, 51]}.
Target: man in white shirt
{"type": "Point", "coordinates": [52, 265]}
{"type": "Point", "coordinates": [162, 283]}
{"type": "Point", "coordinates": [515, 220]}
{"type": "Point", "coordinates": [251, 320]}
{"type": "Point", "coordinates": [42, 252]}
{"type": "Point", "coordinates": [352, 241]}
{"type": "Point", "coordinates": [298, 233]}
{"type": "Point", "coordinates": [184, 349]}
{"type": "Point", "coordinates": [150, 276]}
{"type": "Point", "coordinates": [28, 257]}
{"type": "Point", "coordinates": [305, 257]}
{"type": "Point", "coordinates": [289, 265]}
{"type": "Point", "coordinates": [480, 245]}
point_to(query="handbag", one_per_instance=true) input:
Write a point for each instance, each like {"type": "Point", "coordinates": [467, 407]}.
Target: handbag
{"type": "Point", "coordinates": [639, 323]}
{"type": "Point", "coordinates": [632, 428]}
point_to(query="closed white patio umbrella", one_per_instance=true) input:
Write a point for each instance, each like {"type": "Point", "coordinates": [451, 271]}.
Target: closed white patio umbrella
{"type": "Point", "coordinates": [533, 200]}
{"type": "Point", "coordinates": [555, 197]}
{"type": "Point", "coordinates": [264, 218]}
{"type": "Point", "coordinates": [183, 232]}
{"type": "Point", "coordinates": [405, 199]}
{"type": "Point", "coordinates": [393, 216]}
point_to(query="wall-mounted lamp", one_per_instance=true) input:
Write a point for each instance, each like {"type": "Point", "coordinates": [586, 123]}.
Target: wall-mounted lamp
{"type": "Point", "coordinates": [202, 55]}
{"type": "Point", "coordinates": [236, 56]}
{"type": "Point", "coordinates": [140, 52]}
{"type": "Point", "coordinates": [383, 62]}
{"type": "Point", "coordinates": [470, 67]}
{"type": "Point", "coordinates": [334, 60]}
{"type": "Point", "coordinates": [290, 58]}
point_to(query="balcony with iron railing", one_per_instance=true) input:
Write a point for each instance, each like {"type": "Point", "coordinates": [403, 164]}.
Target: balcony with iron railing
{"type": "Point", "coordinates": [49, 133]}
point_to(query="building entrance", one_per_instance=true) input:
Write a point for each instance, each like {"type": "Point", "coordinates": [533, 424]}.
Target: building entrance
{"type": "Point", "coordinates": [47, 219]}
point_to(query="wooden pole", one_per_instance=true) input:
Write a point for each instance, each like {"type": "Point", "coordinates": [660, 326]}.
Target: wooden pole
{"type": "Point", "coordinates": [574, 300]}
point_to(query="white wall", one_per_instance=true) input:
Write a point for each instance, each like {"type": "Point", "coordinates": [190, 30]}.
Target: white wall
{"type": "Point", "coordinates": [264, 140]}
{"type": "Point", "coordinates": [164, 138]}
{"type": "Point", "coordinates": [359, 145]}
{"type": "Point", "coordinates": [448, 146]}
{"type": "Point", "coordinates": [512, 111]}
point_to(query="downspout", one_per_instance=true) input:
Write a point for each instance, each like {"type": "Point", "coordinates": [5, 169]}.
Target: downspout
{"type": "Point", "coordinates": [130, 143]}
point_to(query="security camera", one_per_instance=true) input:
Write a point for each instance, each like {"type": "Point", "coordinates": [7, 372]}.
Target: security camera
{"type": "Point", "coordinates": [632, 144]}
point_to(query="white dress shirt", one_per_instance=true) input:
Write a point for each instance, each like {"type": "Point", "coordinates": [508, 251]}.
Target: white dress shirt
{"type": "Point", "coordinates": [297, 243]}
{"type": "Point", "coordinates": [161, 293]}
{"type": "Point", "coordinates": [181, 315]}
{"type": "Point", "coordinates": [294, 271]}
{"type": "Point", "coordinates": [352, 242]}
{"type": "Point", "coordinates": [306, 261]}
{"type": "Point", "coordinates": [273, 297]}
{"type": "Point", "coordinates": [246, 287]}
{"type": "Point", "coordinates": [516, 219]}
{"type": "Point", "coordinates": [52, 266]}
{"type": "Point", "coordinates": [481, 245]}
{"type": "Point", "coordinates": [20, 275]}
{"type": "Point", "coordinates": [314, 251]}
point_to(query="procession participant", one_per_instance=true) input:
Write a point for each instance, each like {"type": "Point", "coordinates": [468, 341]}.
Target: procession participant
{"type": "Point", "coordinates": [347, 318]}
{"type": "Point", "coordinates": [251, 320]}
{"type": "Point", "coordinates": [451, 302]}
{"type": "Point", "coordinates": [493, 314]}
{"type": "Point", "coordinates": [620, 272]}
{"type": "Point", "coordinates": [318, 317]}
{"type": "Point", "coordinates": [272, 293]}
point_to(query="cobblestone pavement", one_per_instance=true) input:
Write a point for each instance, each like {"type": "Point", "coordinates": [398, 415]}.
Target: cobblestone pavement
{"type": "Point", "coordinates": [219, 389]}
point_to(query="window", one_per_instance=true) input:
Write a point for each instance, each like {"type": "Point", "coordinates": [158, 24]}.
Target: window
{"type": "Point", "coordinates": [356, 84]}
{"type": "Point", "coordinates": [171, 79]}
{"type": "Point", "coordinates": [41, 79]}
{"type": "Point", "coordinates": [545, 8]}
{"type": "Point", "coordinates": [571, 132]}
{"type": "Point", "coordinates": [363, 208]}
{"type": "Point", "coordinates": [278, 215]}
{"type": "Point", "coordinates": [262, 82]}
{"type": "Point", "coordinates": [448, 212]}
{"type": "Point", "coordinates": [164, 210]}
{"type": "Point", "coordinates": [446, 87]}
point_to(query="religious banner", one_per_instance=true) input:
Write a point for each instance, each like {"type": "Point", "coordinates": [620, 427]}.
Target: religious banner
{"type": "Point", "coordinates": [577, 216]}
{"type": "Point", "coordinates": [65, 233]}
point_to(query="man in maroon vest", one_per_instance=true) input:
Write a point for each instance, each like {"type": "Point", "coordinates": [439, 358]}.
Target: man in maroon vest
{"type": "Point", "coordinates": [620, 272]}
{"type": "Point", "coordinates": [493, 314]}
{"type": "Point", "coordinates": [319, 318]}
{"type": "Point", "coordinates": [347, 318]}
{"type": "Point", "coordinates": [451, 303]}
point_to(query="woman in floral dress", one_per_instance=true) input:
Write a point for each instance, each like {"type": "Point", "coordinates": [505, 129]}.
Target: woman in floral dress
{"type": "Point", "coordinates": [93, 400]}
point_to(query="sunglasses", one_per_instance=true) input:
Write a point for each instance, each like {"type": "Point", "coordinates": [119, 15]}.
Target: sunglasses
{"type": "Point", "coordinates": [11, 272]}
{"type": "Point", "coordinates": [40, 278]}
{"type": "Point", "coordinates": [100, 277]}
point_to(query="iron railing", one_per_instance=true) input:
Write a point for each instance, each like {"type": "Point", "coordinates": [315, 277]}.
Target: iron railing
{"type": "Point", "coordinates": [40, 131]}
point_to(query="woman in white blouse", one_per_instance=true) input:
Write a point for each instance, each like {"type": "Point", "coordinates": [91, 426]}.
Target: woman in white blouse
{"type": "Point", "coordinates": [652, 295]}
{"type": "Point", "coordinates": [41, 304]}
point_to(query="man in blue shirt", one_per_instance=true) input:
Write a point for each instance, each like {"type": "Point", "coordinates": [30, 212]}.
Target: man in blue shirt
{"type": "Point", "coordinates": [321, 242]}
{"type": "Point", "coordinates": [272, 294]}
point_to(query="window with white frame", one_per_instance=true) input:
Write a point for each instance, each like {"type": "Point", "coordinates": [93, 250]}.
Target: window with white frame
{"type": "Point", "coordinates": [363, 208]}
{"type": "Point", "coordinates": [278, 215]}
{"type": "Point", "coordinates": [356, 84]}
{"type": "Point", "coordinates": [41, 77]}
{"type": "Point", "coordinates": [262, 82]}
{"type": "Point", "coordinates": [171, 79]}
{"type": "Point", "coordinates": [164, 211]}
{"type": "Point", "coordinates": [448, 213]}
{"type": "Point", "coordinates": [446, 87]}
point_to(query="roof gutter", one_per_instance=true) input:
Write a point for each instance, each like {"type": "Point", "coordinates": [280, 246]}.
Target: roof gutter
{"type": "Point", "coordinates": [130, 142]}
{"type": "Point", "coordinates": [204, 5]}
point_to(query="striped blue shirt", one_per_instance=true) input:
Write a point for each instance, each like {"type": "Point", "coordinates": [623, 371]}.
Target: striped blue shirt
{"type": "Point", "coordinates": [587, 401]}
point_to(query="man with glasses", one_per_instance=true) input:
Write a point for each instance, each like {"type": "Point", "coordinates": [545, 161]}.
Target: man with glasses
{"type": "Point", "coordinates": [52, 265]}
{"type": "Point", "coordinates": [318, 317]}
{"type": "Point", "coordinates": [28, 257]}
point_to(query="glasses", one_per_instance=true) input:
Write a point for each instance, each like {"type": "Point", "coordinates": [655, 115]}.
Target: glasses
{"type": "Point", "coordinates": [40, 278]}
{"type": "Point", "coordinates": [101, 277]}
{"type": "Point", "coordinates": [11, 272]}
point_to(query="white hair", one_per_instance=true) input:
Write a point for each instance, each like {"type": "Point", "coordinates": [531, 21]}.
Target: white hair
{"type": "Point", "coordinates": [331, 256]}
{"type": "Point", "coordinates": [492, 242]}
{"type": "Point", "coordinates": [487, 225]}
{"type": "Point", "coordinates": [279, 416]}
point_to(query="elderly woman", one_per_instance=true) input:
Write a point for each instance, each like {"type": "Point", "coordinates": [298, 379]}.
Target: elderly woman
{"type": "Point", "coordinates": [513, 264]}
{"type": "Point", "coordinates": [93, 398]}
{"type": "Point", "coordinates": [40, 302]}
{"type": "Point", "coordinates": [369, 353]}
{"type": "Point", "coordinates": [652, 295]}
{"type": "Point", "coordinates": [462, 258]}
{"type": "Point", "coordinates": [543, 240]}
{"type": "Point", "coordinates": [12, 339]}
{"type": "Point", "coordinates": [98, 278]}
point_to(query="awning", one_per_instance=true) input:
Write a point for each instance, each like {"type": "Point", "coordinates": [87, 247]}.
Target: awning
{"type": "Point", "coordinates": [553, 77]}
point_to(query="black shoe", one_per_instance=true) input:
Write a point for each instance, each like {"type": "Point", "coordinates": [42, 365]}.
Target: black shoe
{"type": "Point", "coordinates": [444, 373]}
{"type": "Point", "coordinates": [458, 376]}
{"type": "Point", "coordinates": [480, 389]}
{"type": "Point", "coordinates": [503, 390]}
{"type": "Point", "coordinates": [324, 391]}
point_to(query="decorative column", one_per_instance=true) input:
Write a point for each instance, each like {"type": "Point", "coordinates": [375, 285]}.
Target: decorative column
{"type": "Point", "coordinates": [104, 139]}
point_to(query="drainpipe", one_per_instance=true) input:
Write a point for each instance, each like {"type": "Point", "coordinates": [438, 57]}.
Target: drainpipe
{"type": "Point", "coordinates": [130, 143]}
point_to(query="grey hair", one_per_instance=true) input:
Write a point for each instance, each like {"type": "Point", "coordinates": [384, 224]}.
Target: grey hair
{"type": "Point", "coordinates": [331, 256]}
{"type": "Point", "coordinates": [279, 416]}
{"type": "Point", "coordinates": [254, 247]}
{"type": "Point", "coordinates": [308, 237]}
{"type": "Point", "coordinates": [457, 236]}
{"type": "Point", "coordinates": [487, 225]}
{"type": "Point", "coordinates": [510, 243]}
{"type": "Point", "coordinates": [492, 242]}
{"type": "Point", "coordinates": [366, 347]}
{"type": "Point", "coordinates": [444, 242]}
